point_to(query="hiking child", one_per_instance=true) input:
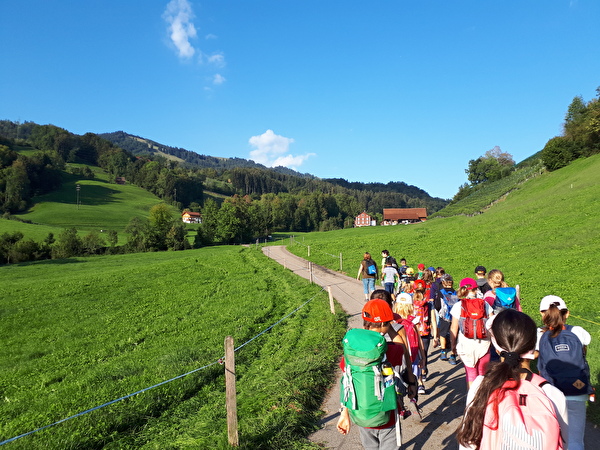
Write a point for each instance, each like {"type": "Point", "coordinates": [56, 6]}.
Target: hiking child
{"type": "Point", "coordinates": [369, 273]}
{"type": "Point", "coordinates": [420, 271]}
{"type": "Point", "coordinates": [496, 281]}
{"type": "Point", "coordinates": [446, 298]}
{"type": "Point", "coordinates": [403, 306]}
{"type": "Point", "coordinates": [495, 409]}
{"type": "Point", "coordinates": [407, 280]}
{"type": "Point", "coordinates": [425, 313]}
{"type": "Point", "coordinates": [470, 339]}
{"type": "Point", "coordinates": [481, 279]}
{"type": "Point", "coordinates": [377, 317]}
{"type": "Point", "coordinates": [385, 255]}
{"type": "Point", "coordinates": [403, 266]}
{"type": "Point", "coordinates": [436, 285]}
{"type": "Point", "coordinates": [389, 276]}
{"type": "Point", "coordinates": [561, 360]}
{"type": "Point", "coordinates": [400, 337]}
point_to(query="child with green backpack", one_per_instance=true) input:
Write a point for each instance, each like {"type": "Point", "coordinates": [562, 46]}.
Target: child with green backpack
{"type": "Point", "coordinates": [371, 378]}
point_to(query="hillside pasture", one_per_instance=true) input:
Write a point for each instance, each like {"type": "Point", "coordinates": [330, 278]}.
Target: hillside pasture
{"type": "Point", "coordinates": [118, 324]}
{"type": "Point", "coordinates": [544, 236]}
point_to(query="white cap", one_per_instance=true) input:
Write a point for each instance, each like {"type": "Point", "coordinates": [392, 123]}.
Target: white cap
{"type": "Point", "coordinates": [552, 300]}
{"type": "Point", "coordinates": [404, 298]}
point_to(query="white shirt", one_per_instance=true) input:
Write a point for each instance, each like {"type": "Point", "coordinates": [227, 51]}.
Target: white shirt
{"type": "Point", "coordinates": [470, 350]}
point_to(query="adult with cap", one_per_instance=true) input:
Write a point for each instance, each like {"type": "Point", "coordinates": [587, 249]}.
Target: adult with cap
{"type": "Point", "coordinates": [473, 349]}
{"type": "Point", "coordinates": [561, 350]}
{"type": "Point", "coordinates": [378, 316]}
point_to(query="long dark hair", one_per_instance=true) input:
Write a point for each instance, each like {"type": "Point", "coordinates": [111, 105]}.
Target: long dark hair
{"type": "Point", "coordinates": [515, 332]}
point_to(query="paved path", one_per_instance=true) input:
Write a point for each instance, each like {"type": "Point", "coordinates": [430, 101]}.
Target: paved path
{"type": "Point", "coordinates": [444, 403]}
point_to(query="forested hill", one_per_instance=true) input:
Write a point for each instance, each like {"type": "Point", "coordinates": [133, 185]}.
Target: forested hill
{"type": "Point", "coordinates": [138, 145]}
{"type": "Point", "coordinates": [392, 186]}
{"type": "Point", "coordinates": [257, 181]}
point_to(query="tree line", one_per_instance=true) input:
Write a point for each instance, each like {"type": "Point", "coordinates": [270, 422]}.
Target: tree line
{"type": "Point", "coordinates": [161, 231]}
{"type": "Point", "coordinates": [254, 202]}
{"type": "Point", "coordinates": [580, 137]}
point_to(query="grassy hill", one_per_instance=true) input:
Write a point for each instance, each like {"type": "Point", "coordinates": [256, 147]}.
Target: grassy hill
{"type": "Point", "coordinates": [491, 193]}
{"type": "Point", "coordinates": [103, 206]}
{"type": "Point", "coordinates": [544, 236]}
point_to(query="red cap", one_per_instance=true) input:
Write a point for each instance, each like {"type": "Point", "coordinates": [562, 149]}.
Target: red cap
{"type": "Point", "coordinates": [421, 267]}
{"type": "Point", "coordinates": [468, 282]}
{"type": "Point", "coordinates": [420, 284]}
{"type": "Point", "coordinates": [377, 310]}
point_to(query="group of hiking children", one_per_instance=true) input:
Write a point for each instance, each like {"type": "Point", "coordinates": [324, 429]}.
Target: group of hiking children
{"type": "Point", "coordinates": [481, 324]}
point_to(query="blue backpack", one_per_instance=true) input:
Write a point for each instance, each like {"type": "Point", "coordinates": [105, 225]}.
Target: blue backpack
{"type": "Point", "coordinates": [563, 363]}
{"type": "Point", "coordinates": [505, 298]}
{"type": "Point", "coordinates": [371, 267]}
{"type": "Point", "coordinates": [449, 298]}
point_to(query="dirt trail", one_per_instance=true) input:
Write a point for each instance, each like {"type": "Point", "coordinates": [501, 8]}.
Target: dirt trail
{"type": "Point", "coordinates": [442, 405]}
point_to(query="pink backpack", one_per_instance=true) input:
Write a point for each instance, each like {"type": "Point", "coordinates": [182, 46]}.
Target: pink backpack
{"type": "Point", "coordinates": [526, 418]}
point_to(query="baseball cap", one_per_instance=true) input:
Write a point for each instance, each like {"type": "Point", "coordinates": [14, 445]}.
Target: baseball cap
{"type": "Point", "coordinates": [410, 271]}
{"type": "Point", "coordinates": [421, 266]}
{"type": "Point", "coordinates": [447, 277]}
{"type": "Point", "coordinates": [552, 300]}
{"type": "Point", "coordinates": [468, 282]}
{"type": "Point", "coordinates": [378, 310]}
{"type": "Point", "coordinates": [480, 269]}
{"type": "Point", "coordinates": [420, 284]}
{"type": "Point", "coordinates": [404, 298]}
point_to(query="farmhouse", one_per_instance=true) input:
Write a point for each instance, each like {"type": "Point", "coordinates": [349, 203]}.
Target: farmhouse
{"type": "Point", "coordinates": [364, 220]}
{"type": "Point", "coordinates": [120, 180]}
{"type": "Point", "coordinates": [394, 216]}
{"type": "Point", "coordinates": [191, 217]}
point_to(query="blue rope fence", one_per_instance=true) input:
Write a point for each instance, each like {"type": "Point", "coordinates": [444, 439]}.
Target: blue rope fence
{"type": "Point", "coordinates": [141, 391]}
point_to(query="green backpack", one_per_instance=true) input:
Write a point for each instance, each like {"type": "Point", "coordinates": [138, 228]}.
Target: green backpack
{"type": "Point", "coordinates": [369, 395]}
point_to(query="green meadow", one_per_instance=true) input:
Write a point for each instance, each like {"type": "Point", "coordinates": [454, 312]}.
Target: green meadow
{"type": "Point", "coordinates": [80, 332]}
{"type": "Point", "coordinates": [544, 236]}
{"type": "Point", "coordinates": [103, 206]}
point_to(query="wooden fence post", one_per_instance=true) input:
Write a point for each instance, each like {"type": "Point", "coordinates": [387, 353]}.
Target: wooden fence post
{"type": "Point", "coordinates": [341, 264]}
{"type": "Point", "coordinates": [230, 392]}
{"type": "Point", "coordinates": [308, 247]}
{"type": "Point", "coordinates": [331, 305]}
{"type": "Point", "coordinates": [310, 272]}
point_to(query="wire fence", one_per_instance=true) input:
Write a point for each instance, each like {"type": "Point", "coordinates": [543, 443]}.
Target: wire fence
{"type": "Point", "coordinates": [141, 391]}
{"type": "Point", "coordinates": [309, 249]}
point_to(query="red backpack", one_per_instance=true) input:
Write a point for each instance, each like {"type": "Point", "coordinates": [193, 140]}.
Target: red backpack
{"type": "Point", "coordinates": [412, 336]}
{"type": "Point", "coordinates": [422, 312]}
{"type": "Point", "coordinates": [521, 417]}
{"type": "Point", "coordinates": [473, 317]}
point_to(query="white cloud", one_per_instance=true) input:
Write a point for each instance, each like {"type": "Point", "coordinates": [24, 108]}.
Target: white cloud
{"type": "Point", "coordinates": [179, 17]}
{"type": "Point", "coordinates": [218, 79]}
{"type": "Point", "coordinates": [271, 150]}
{"type": "Point", "coordinates": [210, 36]}
{"type": "Point", "coordinates": [218, 59]}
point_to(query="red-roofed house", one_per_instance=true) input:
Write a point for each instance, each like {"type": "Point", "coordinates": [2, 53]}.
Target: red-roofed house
{"type": "Point", "coordinates": [364, 220]}
{"type": "Point", "coordinates": [191, 217]}
{"type": "Point", "coordinates": [394, 216]}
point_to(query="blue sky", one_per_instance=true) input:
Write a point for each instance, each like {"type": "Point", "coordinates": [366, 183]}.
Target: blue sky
{"type": "Point", "coordinates": [362, 90]}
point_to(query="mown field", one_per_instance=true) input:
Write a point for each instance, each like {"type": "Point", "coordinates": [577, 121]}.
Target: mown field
{"type": "Point", "coordinates": [80, 332]}
{"type": "Point", "coordinates": [544, 236]}
{"type": "Point", "coordinates": [103, 206]}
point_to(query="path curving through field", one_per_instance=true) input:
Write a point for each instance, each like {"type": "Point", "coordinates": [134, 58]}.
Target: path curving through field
{"type": "Point", "coordinates": [444, 403]}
